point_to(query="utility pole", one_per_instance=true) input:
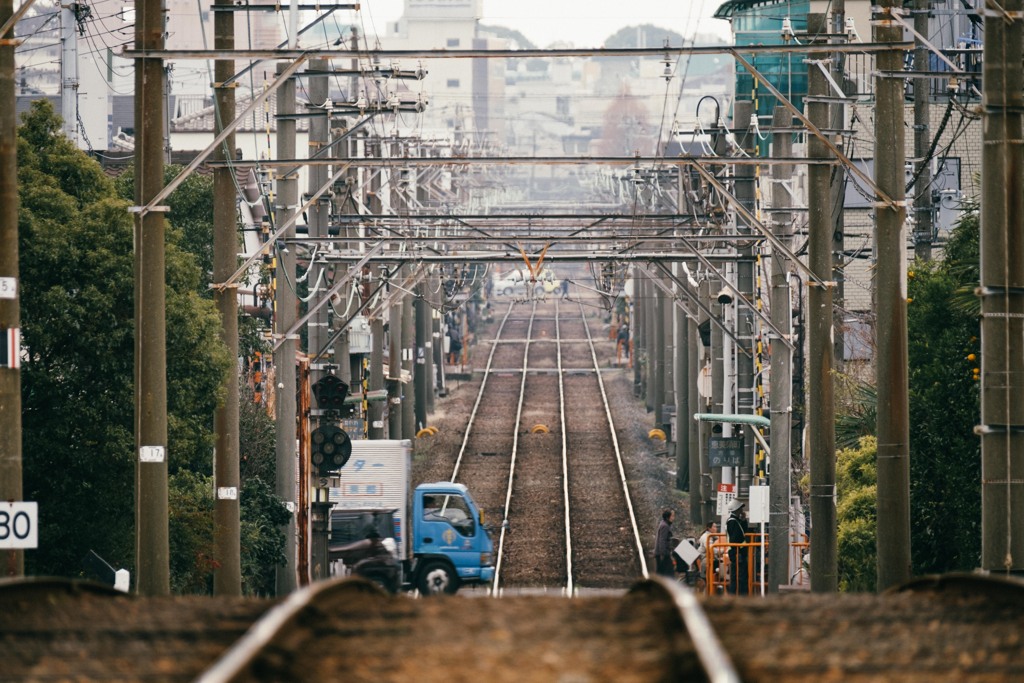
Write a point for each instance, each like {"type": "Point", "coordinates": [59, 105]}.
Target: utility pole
{"type": "Point", "coordinates": [681, 376]}
{"type": "Point", "coordinates": [644, 330]}
{"type": "Point", "coordinates": [375, 418]}
{"type": "Point", "coordinates": [781, 381]}
{"type": "Point", "coordinates": [1002, 293]}
{"type": "Point", "coordinates": [657, 352]}
{"type": "Point", "coordinates": [821, 412]}
{"type": "Point", "coordinates": [152, 549]}
{"type": "Point", "coordinates": [285, 316]}
{"type": "Point", "coordinates": [410, 399]}
{"type": "Point", "coordinates": [69, 69]}
{"type": "Point", "coordinates": [394, 380]}
{"type": "Point", "coordinates": [837, 189]}
{"type": "Point", "coordinates": [421, 376]}
{"type": "Point", "coordinates": [745, 192]}
{"type": "Point", "coordinates": [227, 577]}
{"type": "Point", "coordinates": [923, 216]}
{"type": "Point", "coordinates": [10, 292]}
{"type": "Point", "coordinates": [700, 492]}
{"type": "Point", "coordinates": [891, 313]}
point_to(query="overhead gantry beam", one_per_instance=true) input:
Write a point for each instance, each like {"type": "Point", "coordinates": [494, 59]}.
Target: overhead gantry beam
{"type": "Point", "coordinates": [661, 52]}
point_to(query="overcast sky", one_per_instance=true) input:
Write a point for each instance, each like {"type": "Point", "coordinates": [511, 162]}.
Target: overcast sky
{"type": "Point", "coordinates": [585, 23]}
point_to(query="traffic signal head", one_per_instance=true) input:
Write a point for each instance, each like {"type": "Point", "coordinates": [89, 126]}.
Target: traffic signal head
{"type": "Point", "coordinates": [330, 392]}
{"type": "Point", "coordinates": [330, 449]}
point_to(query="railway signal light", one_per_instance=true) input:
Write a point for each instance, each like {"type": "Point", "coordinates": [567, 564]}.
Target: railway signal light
{"type": "Point", "coordinates": [330, 392]}
{"type": "Point", "coordinates": [330, 449]}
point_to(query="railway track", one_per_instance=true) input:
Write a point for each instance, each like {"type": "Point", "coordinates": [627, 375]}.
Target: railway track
{"type": "Point", "coordinates": [540, 447]}
{"type": "Point", "coordinates": [946, 629]}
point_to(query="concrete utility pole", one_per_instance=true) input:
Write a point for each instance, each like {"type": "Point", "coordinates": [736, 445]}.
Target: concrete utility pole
{"type": "Point", "coordinates": [152, 554]}
{"type": "Point", "coordinates": [711, 402]}
{"type": "Point", "coordinates": [744, 175]}
{"type": "Point", "coordinates": [1002, 292]}
{"type": "Point", "coordinates": [681, 376]}
{"type": "Point", "coordinates": [657, 353]}
{"type": "Point", "coordinates": [421, 375]}
{"type": "Point", "coordinates": [638, 334]}
{"type": "Point", "coordinates": [375, 418]}
{"type": "Point", "coordinates": [395, 370]}
{"type": "Point", "coordinates": [837, 188]}
{"type": "Point", "coordinates": [699, 483]}
{"type": "Point", "coordinates": [924, 224]}
{"type": "Point", "coordinates": [781, 381]}
{"type": "Point", "coordinates": [285, 316]}
{"type": "Point", "coordinates": [409, 397]}
{"type": "Point", "coordinates": [69, 69]}
{"type": "Point", "coordinates": [719, 401]}
{"type": "Point", "coordinates": [318, 218]}
{"type": "Point", "coordinates": [821, 412]}
{"type": "Point", "coordinates": [10, 292]}
{"type": "Point", "coordinates": [891, 315]}
{"type": "Point", "coordinates": [227, 577]}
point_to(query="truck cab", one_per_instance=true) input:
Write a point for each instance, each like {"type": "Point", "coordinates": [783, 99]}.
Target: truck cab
{"type": "Point", "coordinates": [450, 542]}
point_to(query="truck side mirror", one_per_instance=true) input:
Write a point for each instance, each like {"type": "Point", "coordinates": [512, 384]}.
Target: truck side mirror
{"type": "Point", "coordinates": [482, 517]}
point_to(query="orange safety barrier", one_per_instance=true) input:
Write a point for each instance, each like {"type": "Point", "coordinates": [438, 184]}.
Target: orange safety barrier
{"type": "Point", "coordinates": [718, 582]}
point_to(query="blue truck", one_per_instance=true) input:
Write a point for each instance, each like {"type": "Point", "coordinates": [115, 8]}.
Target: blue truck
{"type": "Point", "coordinates": [435, 532]}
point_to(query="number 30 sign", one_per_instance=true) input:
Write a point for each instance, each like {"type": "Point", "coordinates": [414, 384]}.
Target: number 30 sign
{"type": "Point", "coordinates": [18, 525]}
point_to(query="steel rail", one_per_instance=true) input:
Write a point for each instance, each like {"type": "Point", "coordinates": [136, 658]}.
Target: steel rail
{"type": "Point", "coordinates": [615, 443]}
{"type": "Point", "coordinates": [495, 586]}
{"type": "Point", "coordinates": [717, 664]}
{"type": "Point", "coordinates": [569, 588]}
{"type": "Point", "coordinates": [480, 393]}
{"type": "Point", "coordinates": [238, 662]}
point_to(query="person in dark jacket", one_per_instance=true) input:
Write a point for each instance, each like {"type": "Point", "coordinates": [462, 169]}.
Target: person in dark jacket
{"type": "Point", "coordinates": [736, 529]}
{"type": "Point", "coordinates": [371, 559]}
{"type": "Point", "coordinates": [663, 564]}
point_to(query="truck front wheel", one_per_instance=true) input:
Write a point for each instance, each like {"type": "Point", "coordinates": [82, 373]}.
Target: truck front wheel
{"type": "Point", "coordinates": [436, 578]}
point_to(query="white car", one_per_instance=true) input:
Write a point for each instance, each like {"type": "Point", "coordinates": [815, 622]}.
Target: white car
{"type": "Point", "coordinates": [512, 283]}
{"type": "Point", "coordinates": [515, 281]}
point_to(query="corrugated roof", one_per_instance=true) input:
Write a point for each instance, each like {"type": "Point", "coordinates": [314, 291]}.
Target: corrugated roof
{"type": "Point", "coordinates": [728, 9]}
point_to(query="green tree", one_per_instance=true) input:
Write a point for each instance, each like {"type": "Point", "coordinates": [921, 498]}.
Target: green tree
{"type": "Point", "coordinates": [855, 513]}
{"type": "Point", "coordinates": [945, 455]}
{"type": "Point", "coordinates": [76, 266]}
{"type": "Point", "coordinates": [190, 217]}
{"type": "Point", "coordinates": [945, 463]}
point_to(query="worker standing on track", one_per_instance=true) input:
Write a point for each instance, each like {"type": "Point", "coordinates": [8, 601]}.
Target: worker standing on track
{"type": "Point", "coordinates": [663, 564]}
{"type": "Point", "coordinates": [622, 339]}
{"type": "Point", "coordinates": [736, 529]}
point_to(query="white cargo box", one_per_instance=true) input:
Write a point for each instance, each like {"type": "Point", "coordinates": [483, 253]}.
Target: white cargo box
{"type": "Point", "coordinates": [377, 476]}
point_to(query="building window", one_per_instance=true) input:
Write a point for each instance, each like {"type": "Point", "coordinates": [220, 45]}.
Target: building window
{"type": "Point", "coordinates": [453, 83]}
{"type": "Point", "coordinates": [562, 106]}
{"type": "Point", "coordinates": [453, 42]}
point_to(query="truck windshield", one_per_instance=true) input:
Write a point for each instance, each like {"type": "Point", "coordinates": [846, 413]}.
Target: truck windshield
{"type": "Point", "coordinates": [452, 509]}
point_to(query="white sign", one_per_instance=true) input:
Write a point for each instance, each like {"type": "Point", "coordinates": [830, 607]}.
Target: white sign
{"type": "Point", "coordinates": [151, 454]}
{"type": "Point", "coordinates": [19, 525]}
{"type": "Point", "coordinates": [726, 495]}
{"type": "Point", "coordinates": [8, 287]}
{"type": "Point", "coordinates": [759, 508]}
{"type": "Point", "coordinates": [227, 493]}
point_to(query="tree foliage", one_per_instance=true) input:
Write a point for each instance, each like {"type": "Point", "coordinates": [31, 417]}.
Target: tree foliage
{"type": "Point", "coordinates": [945, 455]}
{"type": "Point", "coordinates": [945, 463]}
{"type": "Point", "coordinates": [77, 306]}
{"type": "Point", "coordinates": [855, 512]}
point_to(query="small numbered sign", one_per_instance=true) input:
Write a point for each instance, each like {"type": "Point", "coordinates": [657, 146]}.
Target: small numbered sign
{"type": "Point", "coordinates": [19, 525]}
